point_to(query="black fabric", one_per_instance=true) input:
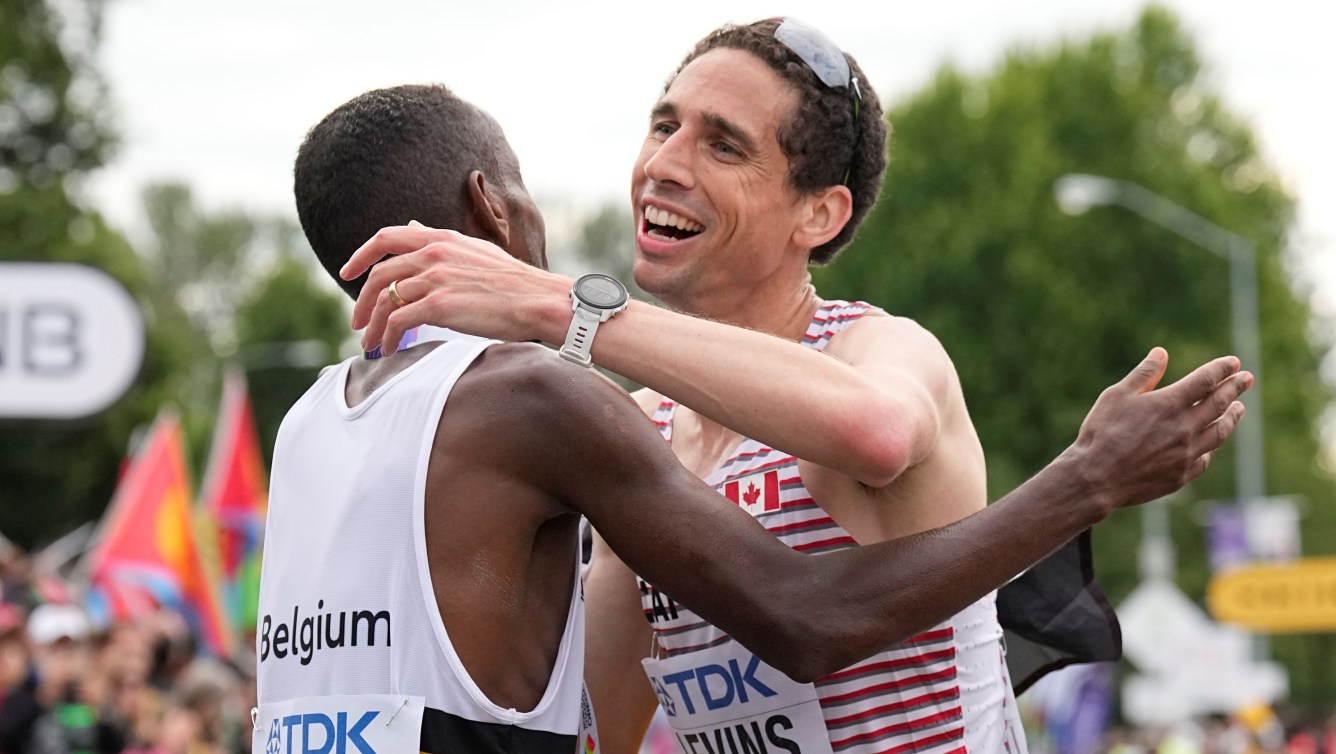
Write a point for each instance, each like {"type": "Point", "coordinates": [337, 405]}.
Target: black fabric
{"type": "Point", "coordinates": [1055, 615]}
{"type": "Point", "coordinates": [444, 733]}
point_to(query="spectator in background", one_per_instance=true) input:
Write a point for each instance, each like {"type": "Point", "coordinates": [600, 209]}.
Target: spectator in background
{"type": "Point", "coordinates": [162, 726]}
{"type": "Point", "coordinates": [13, 651]}
{"type": "Point", "coordinates": [47, 712]}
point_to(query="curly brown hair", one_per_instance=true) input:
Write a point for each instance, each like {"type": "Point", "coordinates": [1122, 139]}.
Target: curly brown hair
{"type": "Point", "coordinates": [825, 137]}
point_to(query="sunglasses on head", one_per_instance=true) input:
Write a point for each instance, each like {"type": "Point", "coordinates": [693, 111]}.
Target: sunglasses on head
{"type": "Point", "coordinates": [830, 66]}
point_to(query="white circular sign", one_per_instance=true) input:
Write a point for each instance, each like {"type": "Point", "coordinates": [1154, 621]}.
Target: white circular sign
{"type": "Point", "coordinates": [71, 340]}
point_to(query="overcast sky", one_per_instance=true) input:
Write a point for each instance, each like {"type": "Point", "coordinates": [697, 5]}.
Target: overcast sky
{"type": "Point", "coordinates": [219, 94]}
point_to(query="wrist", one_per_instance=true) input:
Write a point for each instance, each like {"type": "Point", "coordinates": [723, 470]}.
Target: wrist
{"type": "Point", "coordinates": [1091, 496]}
{"type": "Point", "coordinates": [549, 314]}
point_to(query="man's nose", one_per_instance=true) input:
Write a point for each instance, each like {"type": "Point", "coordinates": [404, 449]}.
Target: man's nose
{"type": "Point", "coordinates": [671, 162]}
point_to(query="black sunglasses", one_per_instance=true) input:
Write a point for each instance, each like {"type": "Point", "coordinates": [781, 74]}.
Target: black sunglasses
{"type": "Point", "coordinates": [829, 64]}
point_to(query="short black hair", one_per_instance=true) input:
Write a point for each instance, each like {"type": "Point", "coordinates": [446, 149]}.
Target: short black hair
{"type": "Point", "coordinates": [824, 139]}
{"type": "Point", "coordinates": [387, 157]}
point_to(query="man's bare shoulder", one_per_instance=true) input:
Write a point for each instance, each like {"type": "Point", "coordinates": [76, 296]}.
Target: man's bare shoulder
{"type": "Point", "coordinates": [517, 376]}
{"type": "Point", "coordinates": [878, 334]}
{"type": "Point", "coordinates": [519, 403]}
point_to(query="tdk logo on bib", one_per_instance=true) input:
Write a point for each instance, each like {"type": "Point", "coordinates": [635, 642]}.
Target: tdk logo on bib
{"type": "Point", "coordinates": [713, 686]}
{"type": "Point", "coordinates": [724, 700]}
{"type": "Point", "coordinates": [319, 733]}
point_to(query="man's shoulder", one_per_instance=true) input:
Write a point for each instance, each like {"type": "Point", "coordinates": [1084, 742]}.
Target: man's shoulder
{"type": "Point", "coordinates": [878, 331]}
{"type": "Point", "coordinates": [521, 376]}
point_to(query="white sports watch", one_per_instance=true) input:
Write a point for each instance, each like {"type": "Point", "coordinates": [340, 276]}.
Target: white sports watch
{"type": "Point", "coordinates": [595, 298]}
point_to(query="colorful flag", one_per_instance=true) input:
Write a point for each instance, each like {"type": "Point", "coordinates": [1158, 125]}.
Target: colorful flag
{"type": "Point", "coordinates": [235, 498]}
{"type": "Point", "coordinates": [148, 544]}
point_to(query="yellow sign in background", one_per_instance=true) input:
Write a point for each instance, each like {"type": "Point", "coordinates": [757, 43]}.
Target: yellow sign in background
{"type": "Point", "coordinates": [1277, 598]}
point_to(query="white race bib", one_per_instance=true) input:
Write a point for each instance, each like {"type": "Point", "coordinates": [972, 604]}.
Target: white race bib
{"type": "Point", "coordinates": [724, 700]}
{"type": "Point", "coordinates": [359, 724]}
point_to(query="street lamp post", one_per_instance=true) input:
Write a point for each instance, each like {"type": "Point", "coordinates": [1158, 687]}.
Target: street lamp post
{"type": "Point", "coordinates": [1076, 193]}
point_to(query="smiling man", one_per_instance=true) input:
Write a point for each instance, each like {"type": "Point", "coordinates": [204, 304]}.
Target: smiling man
{"type": "Point", "coordinates": [832, 423]}
{"type": "Point", "coordinates": [763, 155]}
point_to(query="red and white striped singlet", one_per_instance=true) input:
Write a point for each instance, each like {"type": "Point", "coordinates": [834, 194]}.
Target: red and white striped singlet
{"type": "Point", "coordinates": [945, 691]}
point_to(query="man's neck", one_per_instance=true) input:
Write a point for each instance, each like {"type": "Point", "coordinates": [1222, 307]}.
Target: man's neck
{"type": "Point", "coordinates": [781, 310]}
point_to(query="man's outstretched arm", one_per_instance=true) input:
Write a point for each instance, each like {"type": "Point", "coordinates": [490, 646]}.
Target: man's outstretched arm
{"type": "Point", "coordinates": [587, 444]}
{"type": "Point", "coordinates": [869, 419]}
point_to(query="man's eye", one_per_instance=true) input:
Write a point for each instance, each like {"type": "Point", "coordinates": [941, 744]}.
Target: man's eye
{"type": "Point", "coordinates": [662, 129]}
{"type": "Point", "coordinates": [724, 148]}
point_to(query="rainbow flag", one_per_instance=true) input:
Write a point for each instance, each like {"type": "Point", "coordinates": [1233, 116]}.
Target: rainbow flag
{"type": "Point", "coordinates": [236, 499]}
{"type": "Point", "coordinates": [147, 553]}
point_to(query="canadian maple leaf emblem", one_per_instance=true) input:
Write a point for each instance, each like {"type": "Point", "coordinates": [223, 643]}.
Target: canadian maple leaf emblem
{"type": "Point", "coordinates": [752, 494]}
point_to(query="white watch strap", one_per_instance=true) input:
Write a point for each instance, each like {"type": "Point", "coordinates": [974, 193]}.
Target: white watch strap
{"type": "Point", "coordinates": [580, 336]}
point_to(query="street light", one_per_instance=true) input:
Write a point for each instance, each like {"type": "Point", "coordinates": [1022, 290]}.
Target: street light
{"type": "Point", "coordinates": [1076, 193]}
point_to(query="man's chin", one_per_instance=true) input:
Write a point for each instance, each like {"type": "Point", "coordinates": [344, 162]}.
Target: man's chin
{"type": "Point", "coordinates": [652, 274]}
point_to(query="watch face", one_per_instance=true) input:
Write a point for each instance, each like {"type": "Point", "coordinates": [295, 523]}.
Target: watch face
{"type": "Point", "coordinates": [600, 291]}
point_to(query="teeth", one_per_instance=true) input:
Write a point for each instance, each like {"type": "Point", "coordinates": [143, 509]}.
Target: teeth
{"type": "Point", "coordinates": [663, 217]}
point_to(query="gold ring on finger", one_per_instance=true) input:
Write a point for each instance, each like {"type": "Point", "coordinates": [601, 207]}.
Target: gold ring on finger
{"type": "Point", "coordinates": [395, 298]}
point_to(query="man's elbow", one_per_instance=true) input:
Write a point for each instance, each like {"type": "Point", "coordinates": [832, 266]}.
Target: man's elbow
{"type": "Point", "coordinates": [800, 657]}
{"type": "Point", "coordinates": [883, 450]}
{"type": "Point", "coordinates": [811, 640]}
{"type": "Point", "coordinates": [813, 656]}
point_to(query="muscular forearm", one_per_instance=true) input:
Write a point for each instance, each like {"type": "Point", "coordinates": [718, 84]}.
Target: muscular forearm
{"type": "Point", "coordinates": [784, 395]}
{"type": "Point", "coordinates": [852, 604]}
{"type": "Point", "coordinates": [776, 391]}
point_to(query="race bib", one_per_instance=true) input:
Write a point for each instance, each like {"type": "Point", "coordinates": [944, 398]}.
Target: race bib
{"type": "Point", "coordinates": [361, 724]}
{"type": "Point", "coordinates": [724, 700]}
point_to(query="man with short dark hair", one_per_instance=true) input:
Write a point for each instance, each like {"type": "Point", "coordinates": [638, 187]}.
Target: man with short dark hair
{"type": "Point", "coordinates": [495, 474]}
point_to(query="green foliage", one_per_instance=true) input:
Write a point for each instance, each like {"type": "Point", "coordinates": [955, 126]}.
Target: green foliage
{"type": "Point", "coordinates": [1041, 311]}
{"type": "Point", "coordinates": [235, 283]}
{"type": "Point", "coordinates": [57, 475]}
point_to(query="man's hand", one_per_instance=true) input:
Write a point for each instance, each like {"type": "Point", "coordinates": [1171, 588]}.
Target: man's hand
{"type": "Point", "coordinates": [1138, 443]}
{"type": "Point", "coordinates": [450, 280]}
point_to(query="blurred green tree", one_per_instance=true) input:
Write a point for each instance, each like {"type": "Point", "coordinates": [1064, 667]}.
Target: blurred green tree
{"type": "Point", "coordinates": [248, 290]}
{"type": "Point", "coordinates": [1040, 311]}
{"type": "Point", "coordinates": [54, 129]}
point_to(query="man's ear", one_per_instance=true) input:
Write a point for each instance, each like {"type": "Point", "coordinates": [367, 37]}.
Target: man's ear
{"type": "Point", "coordinates": [826, 212]}
{"type": "Point", "coordinates": [489, 212]}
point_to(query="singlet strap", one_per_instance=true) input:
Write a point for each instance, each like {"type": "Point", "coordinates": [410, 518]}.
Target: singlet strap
{"type": "Point", "coordinates": [663, 418]}
{"type": "Point", "coordinates": [830, 318]}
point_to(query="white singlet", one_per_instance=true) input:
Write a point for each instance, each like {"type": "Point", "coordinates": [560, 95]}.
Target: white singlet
{"type": "Point", "coordinates": [353, 657]}
{"type": "Point", "coordinates": [945, 691]}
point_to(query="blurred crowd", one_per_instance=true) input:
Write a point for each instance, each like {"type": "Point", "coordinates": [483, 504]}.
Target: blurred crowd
{"type": "Point", "coordinates": [68, 686]}
{"type": "Point", "coordinates": [1255, 729]}
{"type": "Point", "coordinates": [1251, 732]}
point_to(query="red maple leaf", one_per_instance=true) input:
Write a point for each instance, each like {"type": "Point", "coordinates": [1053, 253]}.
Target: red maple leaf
{"type": "Point", "coordinates": [752, 494]}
